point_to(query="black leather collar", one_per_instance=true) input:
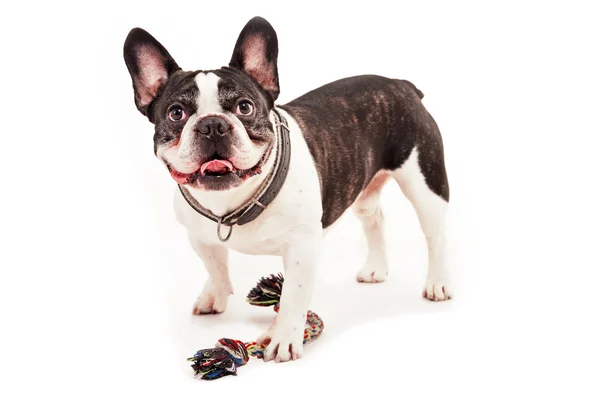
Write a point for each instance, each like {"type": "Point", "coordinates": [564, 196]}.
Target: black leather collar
{"type": "Point", "coordinates": [264, 195]}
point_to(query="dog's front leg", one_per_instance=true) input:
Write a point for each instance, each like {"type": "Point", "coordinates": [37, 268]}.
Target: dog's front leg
{"type": "Point", "coordinates": [300, 258]}
{"type": "Point", "coordinates": [217, 288]}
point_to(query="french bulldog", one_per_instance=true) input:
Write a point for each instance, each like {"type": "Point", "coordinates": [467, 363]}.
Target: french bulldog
{"type": "Point", "coordinates": [260, 178]}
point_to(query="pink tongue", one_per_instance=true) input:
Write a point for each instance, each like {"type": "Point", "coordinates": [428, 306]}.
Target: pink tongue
{"type": "Point", "coordinates": [216, 166]}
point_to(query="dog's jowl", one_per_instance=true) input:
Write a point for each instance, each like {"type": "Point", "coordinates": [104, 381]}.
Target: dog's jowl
{"type": "Point", "coordinates": [261, 178]}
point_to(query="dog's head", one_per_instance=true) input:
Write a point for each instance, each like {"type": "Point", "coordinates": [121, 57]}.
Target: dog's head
{"type": "Point", "coordinates": [212, 128]}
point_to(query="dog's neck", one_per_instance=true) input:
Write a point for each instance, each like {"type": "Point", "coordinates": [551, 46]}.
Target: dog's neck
{"type": "Point", "coordinates": [221, 203]}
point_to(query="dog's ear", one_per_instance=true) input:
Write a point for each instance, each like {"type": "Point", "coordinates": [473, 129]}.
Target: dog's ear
{"type": "Point", "coordinates": [256, 53]}
{"type": "Point", "coordinates": [150, 66]}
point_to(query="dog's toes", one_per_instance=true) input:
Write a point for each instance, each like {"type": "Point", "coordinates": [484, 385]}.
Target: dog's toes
{"type": "Point", "coordinates": [372, 274]}
{"type": "Point", "coordinates": [437, 291]}
{"type": "Point", "coordinates": [283, 344]}
{"type": "Point", "coordinates": [209, 303]}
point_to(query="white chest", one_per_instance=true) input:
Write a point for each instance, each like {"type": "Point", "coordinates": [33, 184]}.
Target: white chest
{"type": "Point", "coordinates": [264, 236]}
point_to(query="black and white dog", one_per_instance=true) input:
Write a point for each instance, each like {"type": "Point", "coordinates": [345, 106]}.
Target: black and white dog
{"type": "Point", "coordinates": [269, 179]}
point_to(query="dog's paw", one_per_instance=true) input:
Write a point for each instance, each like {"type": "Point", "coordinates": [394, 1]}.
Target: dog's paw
{"type": "Point", "coordinates": [284, 342]}
{"type": "Point", "coordinates": [372, 273]}
{"type": "Point", "coordinates": [437, 290]}
{"type": "Point", "coordinates": [210, 302]}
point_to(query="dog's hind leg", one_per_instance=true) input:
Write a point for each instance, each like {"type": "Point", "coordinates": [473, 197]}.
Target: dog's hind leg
{"type": "Point", "coordinates": [368, 209]}
{"type": "Point", "coordinates": [423, 181]}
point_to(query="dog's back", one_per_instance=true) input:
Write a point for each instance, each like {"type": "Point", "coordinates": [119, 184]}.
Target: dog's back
{"type": "Point", "coordinates": [358, 126]}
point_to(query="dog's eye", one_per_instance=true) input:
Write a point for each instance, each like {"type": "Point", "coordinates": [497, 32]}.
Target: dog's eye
{"type": "Point", "coordinates": [176, 114]}
{"type": "Point", "coordinates": [244, 108]}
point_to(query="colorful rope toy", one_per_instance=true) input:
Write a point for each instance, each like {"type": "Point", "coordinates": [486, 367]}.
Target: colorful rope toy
{"type": "Point", "coordinates": [228, 354]}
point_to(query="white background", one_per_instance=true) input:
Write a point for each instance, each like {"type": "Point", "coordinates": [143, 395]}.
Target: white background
{"type": "Point", "coordinates": [97, 280]}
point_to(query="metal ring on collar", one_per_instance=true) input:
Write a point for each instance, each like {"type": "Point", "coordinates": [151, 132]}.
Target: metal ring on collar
{"type": "Point", "coordinates": [219, 224]}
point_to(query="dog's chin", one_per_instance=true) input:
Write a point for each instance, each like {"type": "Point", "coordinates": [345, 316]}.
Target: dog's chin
{"type": "Point", "coordinates": [215, 180]}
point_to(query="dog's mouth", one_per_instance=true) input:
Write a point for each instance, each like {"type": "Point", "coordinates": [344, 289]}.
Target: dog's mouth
{"type": "Point", "coordinates": [214, 169]}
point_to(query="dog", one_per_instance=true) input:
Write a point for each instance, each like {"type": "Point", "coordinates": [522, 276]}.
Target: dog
{"type": "Point", "coordinates": [266, 179]}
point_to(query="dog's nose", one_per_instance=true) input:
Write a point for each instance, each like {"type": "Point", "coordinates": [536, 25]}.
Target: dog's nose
{"type": "Point", "coordinates": [212, 126]}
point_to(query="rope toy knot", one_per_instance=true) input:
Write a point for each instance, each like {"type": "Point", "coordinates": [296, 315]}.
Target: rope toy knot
{"type": "Point", "coordinates": [221, 360]}
{"type": "Point", "coordinates": [228, 354]}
